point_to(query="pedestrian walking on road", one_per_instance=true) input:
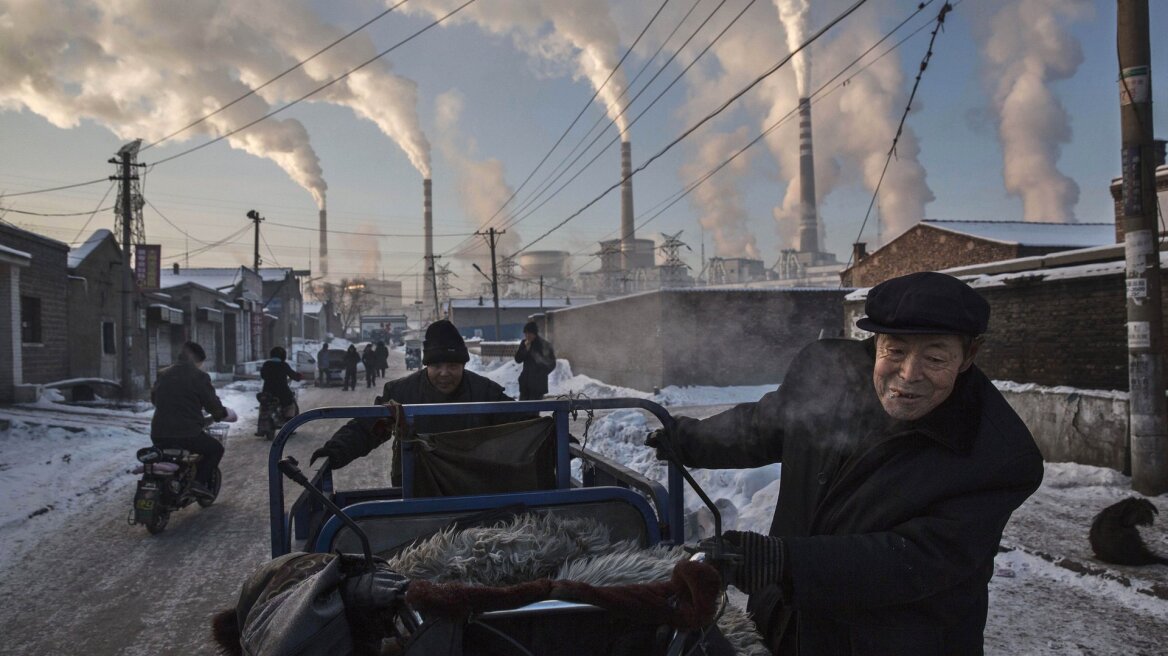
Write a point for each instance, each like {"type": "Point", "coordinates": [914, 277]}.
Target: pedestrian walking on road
{"type": "Point", "coordinates": [352, 358]}
{"type": "Point", "coordinates": [322, 363]}
{"type": "Point", "coordinates": [538, 359]}
{"type": "Point", "coordinates": [382, 359]}
{"type": "Point", "coordinates": [369, 359]}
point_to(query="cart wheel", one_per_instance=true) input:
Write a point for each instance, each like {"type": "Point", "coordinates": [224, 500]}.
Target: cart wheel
{"type": "Point", "coordinates": [157, 522]}
{"type": "Point", "coordinates": [216, 481]}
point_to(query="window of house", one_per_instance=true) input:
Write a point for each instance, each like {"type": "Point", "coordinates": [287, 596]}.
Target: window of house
{"type": "Point", "coordinates": [108, 343]}
{"type": "Point", "coordinates": [30, 320]}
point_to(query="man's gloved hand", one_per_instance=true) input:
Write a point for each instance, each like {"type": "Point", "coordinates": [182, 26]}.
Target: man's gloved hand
{"type": "Point", "coordinates": [374, 590]}
{"type": "Point", "coordinates": [331, 452]}
{"type": "Point", "coordinates": [762, 560]}
{"type": "Point", "coordinates": [657, 440]}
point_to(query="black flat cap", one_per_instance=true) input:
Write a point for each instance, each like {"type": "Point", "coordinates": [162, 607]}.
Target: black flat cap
{"type": "Point", "coordinates": [925, 303]}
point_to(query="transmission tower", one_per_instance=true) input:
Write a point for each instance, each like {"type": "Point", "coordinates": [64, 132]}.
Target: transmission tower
{"type": "Point", "coordinates": [443, 274]}
{"type": "Point", "coordinates": [129, 155]}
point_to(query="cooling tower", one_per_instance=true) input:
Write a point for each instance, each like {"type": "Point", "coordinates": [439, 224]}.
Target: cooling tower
{"type": "Point", "coordinates": [627, 236]}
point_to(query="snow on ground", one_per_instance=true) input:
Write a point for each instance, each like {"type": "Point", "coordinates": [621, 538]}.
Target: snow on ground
{"type": "Point", "coordinates": [99, 453]}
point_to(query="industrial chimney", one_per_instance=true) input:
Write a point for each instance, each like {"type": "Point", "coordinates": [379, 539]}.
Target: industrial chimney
{"type": "Point", "coordinates": [626, 239]}
{"type": "Point", "coordinates": [809, 217]}
{"type": "Point", "coordinates": [323, 243]}
{"type": "Point", "coordinates": [428, 231]}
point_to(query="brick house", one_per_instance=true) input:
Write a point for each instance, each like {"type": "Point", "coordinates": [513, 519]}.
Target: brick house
{"type": "Point", "coordinates": [35, 291]}
{"type": "Point", "coordinates": [935, 245]}
{"type": "Point", "coordinates": [95, 308]}
{"type": "Point", "coordinates": [219, 307]}
{"type": "Point", "coordinates": [283, 304]}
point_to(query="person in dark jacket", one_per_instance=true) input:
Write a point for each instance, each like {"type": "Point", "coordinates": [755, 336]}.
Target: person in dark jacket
{"type": "Point", "coordinates": [369, 359]}
{"type": "Point", "coordinates": [275, 373]}
{"type": "Point", "coordinates": [538, 359]}
{"type": "Point", "coordinates": [181, 394]}
{"type": "Point", "coordinates": [351, 360]}
{"type": "Point", "coordinates": [901, 465]}
{"type": "Point", "coordinates": [442, 380]}
{"type": "Point", "coordinates": [322, 363]}
{"type": "Point", "coordinates": [382, 358]}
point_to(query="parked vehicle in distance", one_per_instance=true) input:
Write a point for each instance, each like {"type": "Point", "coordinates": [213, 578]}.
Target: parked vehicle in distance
{"type": "Point", "coordinates": [335, 373]}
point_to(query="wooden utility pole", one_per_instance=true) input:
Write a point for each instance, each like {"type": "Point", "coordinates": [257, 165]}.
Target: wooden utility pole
{"type": "Point", "coordinates": [256, 218]}
{"type": "Point", "coordinates": [492, 236]}
{"type": "Point", "coordinates": [1148, 422]}
{"type": "Point", "coordinates": [129, 155]}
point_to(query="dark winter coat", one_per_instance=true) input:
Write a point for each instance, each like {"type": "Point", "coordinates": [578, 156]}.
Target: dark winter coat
{"type": "Point", "coordinates": [890, 528]}
{"type": "Point", "coordinates": [322, 358]}
{"type": "Point", "coordinates": [180, 395]}
{"type": "Point", "coordinates": [369, 358]}
{"type": "Point", "coordinates": [538, 362]}
{"type": "Point", "coordinates": [352, 357]}
{"type": "Point", "coordinates": [357, 437]}
{"type": "Point", "coordinates": [382, 356]}
{"type": "Point", "coordinates": [275, 373]}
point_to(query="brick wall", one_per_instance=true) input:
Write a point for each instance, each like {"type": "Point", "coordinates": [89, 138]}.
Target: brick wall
{"type": "Point", "coordinates": [693, 337]}
{"type": "Point", "coordinates": [924, 248]}
{"type": "Point", "coordinates": [45, 278]}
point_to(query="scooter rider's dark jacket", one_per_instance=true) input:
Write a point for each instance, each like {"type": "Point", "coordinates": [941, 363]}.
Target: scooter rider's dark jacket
{"type": "Point", "coordinates": [180, 395]}
{"type": "Point", "coordinates": [889, 528]}
{"type": "Point", "coordinates": [275, 374]}
{"type": "Point", "coordinates": [358, 437]}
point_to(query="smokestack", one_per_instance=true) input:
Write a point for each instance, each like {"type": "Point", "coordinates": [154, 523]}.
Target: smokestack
{"type": "Point", "coordinates": [428, 231]}
{"type": "Point", "coordinates": [323, 243]}
{"type": "Point", "coordinates": [809, 219]}
{"type": "Point", "coordinates": [626, 206]}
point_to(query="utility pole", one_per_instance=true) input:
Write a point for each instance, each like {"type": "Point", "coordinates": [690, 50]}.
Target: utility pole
{"type": "Point", "coordinates": [1148, 423]}
{"type": "Point", "coordinates": [129, 156]}
{"type": "Point", "coordinates": [433, 276]}
{"type": "Point", "coordinates": [541, 293]}
{"type": "Point", "coordinates": [256, 218]}
{"type": "Point", "coordinates": [492, 239]}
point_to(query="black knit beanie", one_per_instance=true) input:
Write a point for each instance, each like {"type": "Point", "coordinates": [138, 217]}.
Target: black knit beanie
{"type": "Point", "coordinates": [443, 343]}
{"type": "Point", "coordinates": [531, 327]}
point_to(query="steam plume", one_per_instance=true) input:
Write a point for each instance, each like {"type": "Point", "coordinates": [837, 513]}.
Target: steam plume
{"type": "Point", "coordinates": [718, 200]}
{"type": "Point", "coordinates": [793, 14]}
{"type": "Point", "coordinates": [1025, 47]}
{"type": "Point", "coordinates": [481, 183]}
{"type": "Point", "coordinates": [580, 35]}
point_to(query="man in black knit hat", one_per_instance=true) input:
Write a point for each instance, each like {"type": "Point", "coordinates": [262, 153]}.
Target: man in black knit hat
{"type": "Point", "coordinates": [443, 379]}
{"type": "Point", "coordinates": [538, 359]}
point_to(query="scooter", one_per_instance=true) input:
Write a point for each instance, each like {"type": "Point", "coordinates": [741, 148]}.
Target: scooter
{"type": "Point", "coordinates": [271, 416]}
{"type": "Point", "coordinates": [166, 483]}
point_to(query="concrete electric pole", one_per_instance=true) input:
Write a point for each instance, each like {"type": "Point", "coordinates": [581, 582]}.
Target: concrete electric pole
{"type": "Point", "coordinates": [127, 175]}
{"type": "Point", "coordinates": [492, 236]}
{"type": "Point", "coordinates": [256, 218]}
{"type": "Point", "coordinates": [1148, 423]}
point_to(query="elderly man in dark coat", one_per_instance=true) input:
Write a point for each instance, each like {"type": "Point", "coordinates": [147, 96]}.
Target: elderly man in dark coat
{"type": "Point", "coordinates": [901, 466]}
{"type": "Point", "coordinates": [538, 359]}
{"type": "Point", "coordinates": [443, 379]}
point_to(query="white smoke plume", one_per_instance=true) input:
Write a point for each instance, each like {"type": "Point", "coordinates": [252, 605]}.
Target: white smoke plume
{"type": "Point", "coordinates": [793, 14]}
{"type": "Point", "coordinates": [574, 33]}
{"type": "Point", "coordinates": [366, 251]}
{"type": "Point", "coordinates": [718, 200]}
{"type": "Point", "coordinates": [481, 183]}
{"type": "Point", "coordinates": [1025, 47]}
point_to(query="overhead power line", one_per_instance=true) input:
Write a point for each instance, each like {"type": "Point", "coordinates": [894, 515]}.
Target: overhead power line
{"type": "Point", "coordinates": [45, 191]}
{"type": "Point", "coordinates": [707, 118]}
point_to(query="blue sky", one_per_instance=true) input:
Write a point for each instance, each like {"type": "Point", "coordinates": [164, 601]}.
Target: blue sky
{"type": "Point", "coordinates": [514, 104]}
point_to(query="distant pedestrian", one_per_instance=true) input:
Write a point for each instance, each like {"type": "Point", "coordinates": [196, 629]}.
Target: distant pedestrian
{"type": "Point", "coordinates": [322, 363]}
{"type": "Point", "coordinates": [369, 359]}
{"type": "Point", "coordinates": [538, 359]}
{"type": "Point", "coordinates": [352, 358]}
{"type": "Point", "coordinates": [382, 358]}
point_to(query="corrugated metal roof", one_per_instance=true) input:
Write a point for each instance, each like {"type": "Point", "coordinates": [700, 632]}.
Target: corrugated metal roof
{"type": "Point", "coordinates": [1032, 233]}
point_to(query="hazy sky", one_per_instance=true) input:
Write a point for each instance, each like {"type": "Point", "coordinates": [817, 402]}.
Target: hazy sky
{"type": "Point", "coordinates": [1017, 118]}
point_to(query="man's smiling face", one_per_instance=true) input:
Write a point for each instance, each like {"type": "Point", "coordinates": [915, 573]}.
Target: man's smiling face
{"type": "Point", "coordinates": [916, 373]}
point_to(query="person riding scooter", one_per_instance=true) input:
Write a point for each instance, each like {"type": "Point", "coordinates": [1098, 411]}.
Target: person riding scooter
{"type": "Point", "coordinates": [181, 394]}
{"type": "Point", "coordinates": [275, 372]}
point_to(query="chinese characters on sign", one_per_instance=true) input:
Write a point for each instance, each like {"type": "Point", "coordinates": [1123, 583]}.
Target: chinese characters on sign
{"type": "Point", "coordinates": [147, 264]}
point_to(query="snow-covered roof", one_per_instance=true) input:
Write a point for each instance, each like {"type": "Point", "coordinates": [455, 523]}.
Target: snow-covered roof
{"type": "Point", "coordinates": [1032, 233]}
{"type": "Point", "coordinates": [78, 255]}
{"type": "Point", "coordinates": [548, 302]}
{"type": "Point", "coordinates": [212, 278]}
{"type": "Point", "coordinates": [274, 274]}
{"type": "Point", "coordinates": [312, 307]}
{"type": "Point", "coordinates": [234, 306]}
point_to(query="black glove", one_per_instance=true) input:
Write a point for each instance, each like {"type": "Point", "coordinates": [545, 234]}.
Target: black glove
{"type": "Point", "coordinates": [657, 440]}
{"type": "Point", "coordinates": [762, 560]}
{"type": "Point", "coordinates": [374, 590]}
{"type": "Point", "coordinates": [331, 452]}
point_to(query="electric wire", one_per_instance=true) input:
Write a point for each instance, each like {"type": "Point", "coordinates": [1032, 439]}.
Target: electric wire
{"type": "Point", "coordinates": [61, 188]}
{"type": "Point", "coordinates": [52, 214]}
{"type": "Point", "coordinates": [320, 88]}
{"type": "Point", "coordinates": [689, 131]}
{"type": "Point", "coordinates": [370, 234]}
{"type": "Point", "coordinates": [256, 90]}
{"type": "Point", "coordinates": [94, 213]}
